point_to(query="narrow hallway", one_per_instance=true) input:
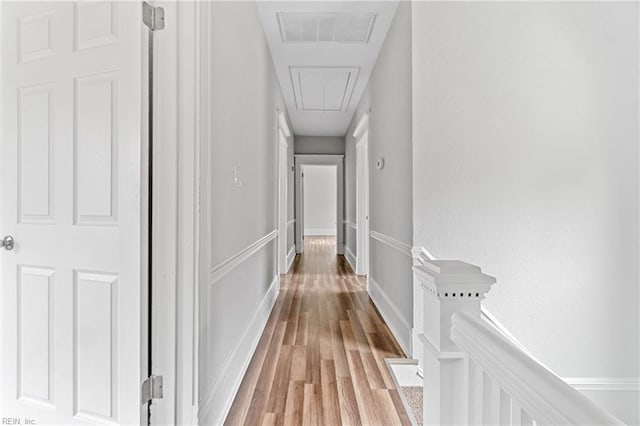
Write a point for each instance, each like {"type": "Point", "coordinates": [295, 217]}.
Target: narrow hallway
{"type": "Point", "coordinates": [320, 360]}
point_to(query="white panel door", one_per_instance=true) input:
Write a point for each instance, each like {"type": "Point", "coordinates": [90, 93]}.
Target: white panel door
{"type": "Point", "coordinates": [362, 207]}
{"type": "Point", "coordinates": [282, 202]}
{"type": "Point", "coordinates": [73, 306]}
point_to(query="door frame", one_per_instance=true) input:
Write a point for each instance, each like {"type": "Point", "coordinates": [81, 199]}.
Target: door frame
{"type": "Point", "coordinates": [319, 160]}
{"type": "Point", "coordinates": [180, 62]}
{"type": "Point", "coordinates": [363, 219]}
{"type": "Point", "coordinates": [283, 133]}
{"type": "Point", "coordinates": [362, 204]}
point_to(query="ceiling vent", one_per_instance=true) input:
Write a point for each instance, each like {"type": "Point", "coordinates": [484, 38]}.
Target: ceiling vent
{"type": "Point", "coordinates": [305, 27]}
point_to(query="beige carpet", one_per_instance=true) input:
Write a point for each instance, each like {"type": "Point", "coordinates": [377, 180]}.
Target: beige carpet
{"type": "Point", "coordinates": [413, 396]}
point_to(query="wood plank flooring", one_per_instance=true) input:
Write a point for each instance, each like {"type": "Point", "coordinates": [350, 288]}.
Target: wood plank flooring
{"type": "Point", "coordinates": [320, 360]}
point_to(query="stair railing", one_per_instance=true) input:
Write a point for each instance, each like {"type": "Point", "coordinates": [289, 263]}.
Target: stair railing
{"type": "Point", "coordinates": [475, 375]}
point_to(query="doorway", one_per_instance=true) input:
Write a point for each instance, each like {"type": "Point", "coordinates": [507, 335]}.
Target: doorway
{"type": "Point", "coordinates": [320, 201]}
{"type": "Point", "coordinates": [362, 197]}
{"type": "Point", "coordinates": [301, 162]}
{"type": "Point", "coordinates": [285, 254]}
{"type": "Point", "coordinates": [282, 202]}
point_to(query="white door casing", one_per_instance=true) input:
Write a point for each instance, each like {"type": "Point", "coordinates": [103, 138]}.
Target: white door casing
{"type": "Point", "coordinates": [74, 319]}
{"type": "Point", "coordinates": [177, 84]}
{"type": "Point", "coordinates": [331, 160]}
{"type": "Point", "coordinates": [282, 201]}
{"type": "Point", "coordinates": [362, 206]}
{"type": "Point", "coordinates": [300, 210]}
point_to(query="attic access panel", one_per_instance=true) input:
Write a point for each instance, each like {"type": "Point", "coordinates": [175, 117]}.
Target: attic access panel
{"type": "Point", "coordinates": [324, 89]}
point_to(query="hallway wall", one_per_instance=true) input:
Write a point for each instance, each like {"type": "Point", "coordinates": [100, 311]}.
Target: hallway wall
{"type": "Point", "coordinates": [526, 163]}
{"type": "Point", "coordinates": [238, 229]}
{"type": "Point", "coordinates": [320, 200]}
{"type": "Point", "coordinates": [329, 145]}
{"type": "Point", "coordinates": [388, 96]}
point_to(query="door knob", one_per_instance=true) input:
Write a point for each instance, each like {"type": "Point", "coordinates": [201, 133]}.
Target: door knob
{"type": "Point", "coordinates": [7, 242]}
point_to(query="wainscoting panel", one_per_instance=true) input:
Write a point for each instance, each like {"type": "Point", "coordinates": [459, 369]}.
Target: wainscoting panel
{"type": "Point", "coordinates": [218, 399]}
{"type": "Point", "coordinates": [391, 284]}
{"type": "Point", "coordinates": [224, 267]}
{"type": "Point", "coordinates": [398, 325]}
{"type": "Point", "coordinates": [234, 309]}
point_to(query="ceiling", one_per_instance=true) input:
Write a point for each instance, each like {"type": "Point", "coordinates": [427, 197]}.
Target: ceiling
{"type": "Point", "coordinates": [324, 52]}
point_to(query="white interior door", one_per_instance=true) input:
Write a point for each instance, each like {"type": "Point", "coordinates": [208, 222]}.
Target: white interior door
{"type": "Point", "coordinates": [302, 208]}
{"type": "Point", "coordinates": [74, 328]}
{"type": "Point", "coordinates": [299, 199]}
{"type": "Point", "coordinates": [282, 203]}
{"type": "Point", "coordinates": [362, 207]}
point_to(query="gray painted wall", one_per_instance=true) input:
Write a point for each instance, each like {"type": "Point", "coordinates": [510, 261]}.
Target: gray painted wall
{"type": "Point", "coordinates": [388, 95]}
{"type": "Point", "coordinates": [319, 145]}
{"type": "Point", "coordinates": [526, 164]}
{"type": "Point", "coordinates": [241, 116]}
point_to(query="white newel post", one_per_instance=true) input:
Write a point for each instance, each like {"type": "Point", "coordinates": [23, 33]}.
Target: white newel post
{"type": "Point", "coordinates": [447, 286]}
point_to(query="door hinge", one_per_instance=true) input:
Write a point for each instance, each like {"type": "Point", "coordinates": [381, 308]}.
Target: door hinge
{"type": "Point", "coordinates": [153, 17]}
{"type": "Point", "coordinates": [151, 388]}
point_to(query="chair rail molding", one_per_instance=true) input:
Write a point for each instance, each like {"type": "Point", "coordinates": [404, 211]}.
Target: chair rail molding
{"type": "Point", "coordinates": [230, 263]}
{"type": "Point", "coordinates": [421, 255]}
{"type": "Point", "coordinates": [391, 242]}
{"type": "Point", "coordinates": [351, 225]}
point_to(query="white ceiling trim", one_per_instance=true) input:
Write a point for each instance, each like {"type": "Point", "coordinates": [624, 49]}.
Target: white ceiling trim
{"type": "Point", "coordinates": [313, 110]}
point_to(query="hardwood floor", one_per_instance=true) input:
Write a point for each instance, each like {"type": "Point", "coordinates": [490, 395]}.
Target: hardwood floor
{"type": "Point", "coordinates": [320, 360]}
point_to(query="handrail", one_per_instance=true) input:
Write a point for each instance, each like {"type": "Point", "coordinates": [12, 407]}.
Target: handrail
{"type": "Point", "coordinates": [500, 328]}
{"type": "Point", "coordinates": [540, 392]}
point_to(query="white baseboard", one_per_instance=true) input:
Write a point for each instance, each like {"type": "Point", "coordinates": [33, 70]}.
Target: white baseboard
{"type": "Point", "coordinates": [400, 328]}
{"type": "Point", "coordinates": [618, 395]}
{"type": "Point", "coordinates": [351, 258]}
{"type": "Point", "coordinates": [217, 401]}
{"type": "Point", "coordinates": [320, 231]}
{"type": "Point", "coordinates": [604, 383]}
{"type": "Point", "coordinates": [291, 255]}
{"type": "Point", "coordinates": [390, 362]}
